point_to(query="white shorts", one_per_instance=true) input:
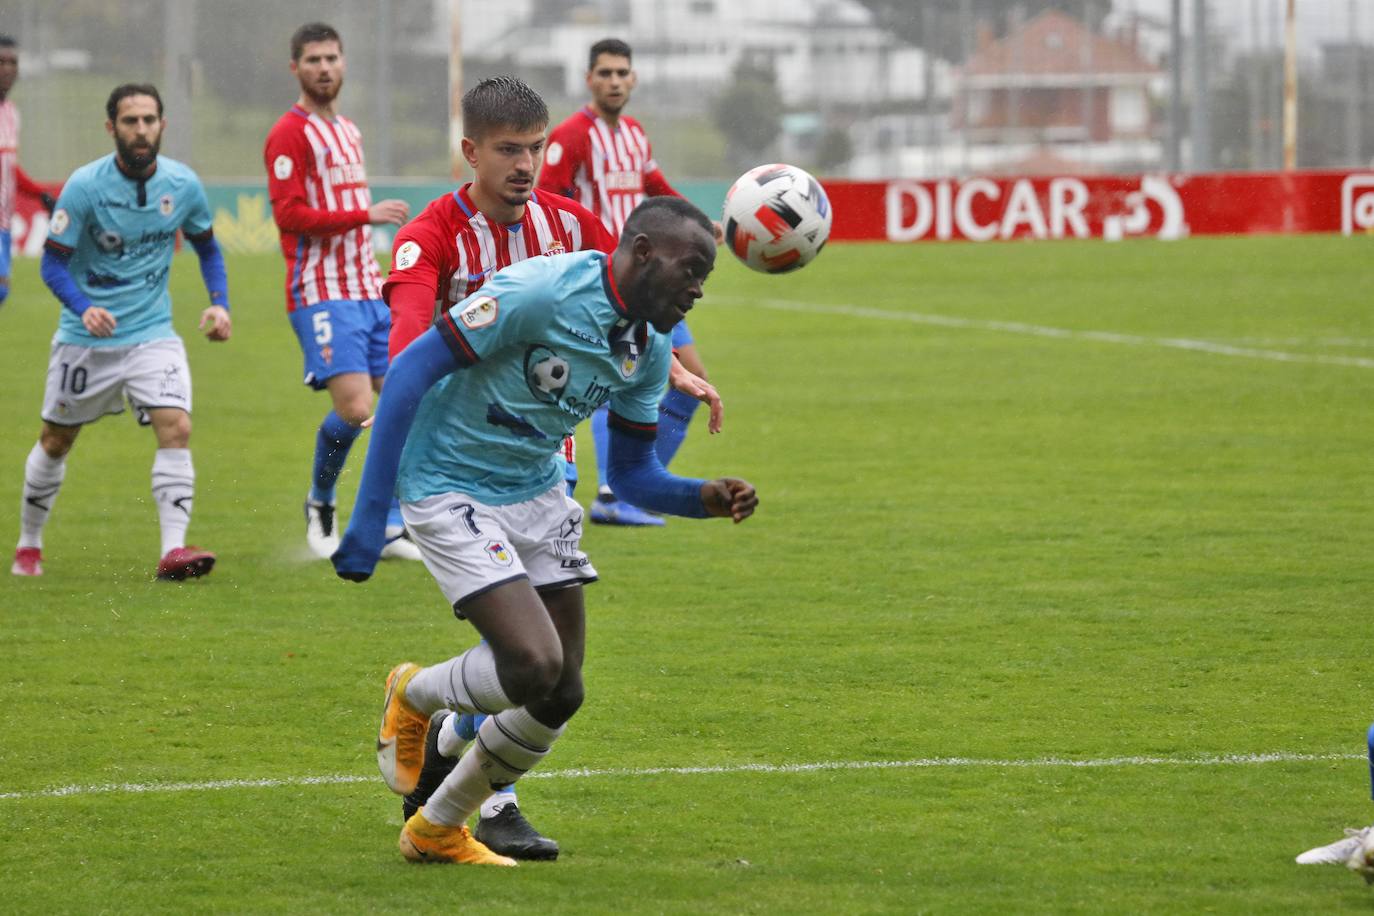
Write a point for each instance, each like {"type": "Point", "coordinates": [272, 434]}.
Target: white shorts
{"type": "Point", "coordinates": [86, 383]}
{"type": "Point", "coordinates": [471, 547]}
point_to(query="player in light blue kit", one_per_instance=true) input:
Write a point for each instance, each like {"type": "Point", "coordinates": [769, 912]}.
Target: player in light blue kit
{"type": "Point", "coordinates": [465, 431]}
{"type": "Point", "coordinates": [109, 250]}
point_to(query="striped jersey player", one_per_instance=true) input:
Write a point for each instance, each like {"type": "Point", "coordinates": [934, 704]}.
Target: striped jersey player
{"type": "Point", "coordinates": [12, 177]}
{"type": "Point", "coordinates": [601, 158]}
{"type": "Point", "coordinates": [317, 182]}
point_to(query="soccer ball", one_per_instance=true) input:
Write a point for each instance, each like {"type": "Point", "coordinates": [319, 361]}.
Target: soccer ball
{"type": "Point", "coordinates": [546, 372]}
{"type": "Point", "coordinates": [776, 219]}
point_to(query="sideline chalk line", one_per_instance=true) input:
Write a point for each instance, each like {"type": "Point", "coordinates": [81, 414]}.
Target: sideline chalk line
{"type": "Point", "coordinates": [1207, 760]}
{"type": "Point", "coordinates": [1037, 330]}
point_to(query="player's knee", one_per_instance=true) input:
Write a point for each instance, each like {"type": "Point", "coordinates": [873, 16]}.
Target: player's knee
{"type": "Point", "coordinates": [531, 673]}
{"type": "Point", "coordinates": [56, 443]}
{"type": "Point", "coordinates": [175, 432]}
{"type": "Point", "coordinates": [354, 411]}
{"type": "Point", "coordinates": [567, 697]}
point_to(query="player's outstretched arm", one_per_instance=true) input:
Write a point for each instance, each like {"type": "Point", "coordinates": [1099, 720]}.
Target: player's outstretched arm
{"type": "Point", "coordinates": [637, 476]}
{"type": "Point", "coordinates": [413, 373]}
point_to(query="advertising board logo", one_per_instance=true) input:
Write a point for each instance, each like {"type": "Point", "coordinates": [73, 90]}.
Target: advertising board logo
{"type": "Point", "coordinates": [1357, 204]}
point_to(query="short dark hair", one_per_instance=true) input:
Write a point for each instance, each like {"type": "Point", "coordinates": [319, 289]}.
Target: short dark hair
{"type": "Point", "coordinates": [613, 46]}
{"type": "Point", "coordinates": [122, 92]}
{"type": "Point", "coordinates": [655, 213]}
{"type": "Point", "coordinates": [7, 41]}
{"type": "Point", "coordinates": [313, 31]}
{"type": "Point", "coordinates": [502, 101]}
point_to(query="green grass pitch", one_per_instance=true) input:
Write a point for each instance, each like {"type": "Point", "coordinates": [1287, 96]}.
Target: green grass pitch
{"type": "Point", "coordinates": [991, 540]}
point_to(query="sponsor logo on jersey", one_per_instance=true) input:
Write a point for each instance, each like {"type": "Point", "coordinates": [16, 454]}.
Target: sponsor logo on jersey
{"type": "Point", "coordinates": [281, 167]}
{"type": "Point", "coordinates": [547, 373]}
{"type": "Point", "coordinates": [499, 554]}
{"type": "Point", "coordinates": [623, 181]}
{"type": "Point", "coordinates": [407, 256]}
{"type": "Point", "coordinates": [59, 222]}
{"type": "Point", "coordinates": [479, 314]}
{"type": "Point", "coordinates": [165, 205]}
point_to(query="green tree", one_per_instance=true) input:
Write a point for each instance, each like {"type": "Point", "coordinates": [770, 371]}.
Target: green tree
{"type": "Point", "coordinates": [749, 111]}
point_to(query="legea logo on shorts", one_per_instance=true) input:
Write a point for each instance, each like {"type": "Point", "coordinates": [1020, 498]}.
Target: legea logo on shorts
{"type": "Point", "coordinates": [499, 554]}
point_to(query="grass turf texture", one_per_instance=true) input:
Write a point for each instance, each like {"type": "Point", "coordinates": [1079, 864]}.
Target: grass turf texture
{"type": "Point", "coordinates": [972, 543]}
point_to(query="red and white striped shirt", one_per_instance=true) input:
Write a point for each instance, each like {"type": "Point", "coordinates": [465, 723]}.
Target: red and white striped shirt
{"type": "Point", "coordinates": [318, 187]}
{"type": "Point", "coordinates": [608, 170]}
{"type": "Point", "coordinates": [447, 252]}
{"type": "Point", "coordinates": [9, 162]}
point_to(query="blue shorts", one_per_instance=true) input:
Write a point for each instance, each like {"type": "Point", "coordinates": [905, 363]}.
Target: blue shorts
{"type": "Point", "coordinates": [5, 242]}
{"type": "Point", "coordinates": [681, 336]}
{"type": "Point", "coordinates": [338, 337]}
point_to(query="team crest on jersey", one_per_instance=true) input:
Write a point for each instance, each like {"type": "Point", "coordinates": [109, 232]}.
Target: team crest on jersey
{"type": "Point", "coordinates": [555, 248]}
{"type": "Point", "coordinates": [165, 205]}
{"type": "Point", "coordinates": [407, 256]}
{"type": "Point", "coordinates": [281, 167]}
{"type": "Point", "coordinates": [499, 554]}
{"type": "Point", "coordinates": [479, 314]}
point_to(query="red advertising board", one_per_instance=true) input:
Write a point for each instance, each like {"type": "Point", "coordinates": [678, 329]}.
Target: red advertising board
{"type": "Point", "coordinates": [1110, 207]}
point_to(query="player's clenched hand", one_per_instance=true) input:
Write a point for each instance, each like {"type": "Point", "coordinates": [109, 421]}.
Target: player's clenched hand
{"type": "Point", "coordinates": [729, 497]}
{"type": "Point", "coordinates": [217, 317]}
{"type": "Point", "coordinates": [692, 385]}
{"type": "Point", "coordinates": [389, 211]}
{"type": "Point", "coordinates": [98, 321]}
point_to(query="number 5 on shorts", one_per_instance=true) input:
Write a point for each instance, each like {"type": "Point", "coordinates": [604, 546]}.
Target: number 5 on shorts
{"type": "Point", "coordinates": [324, 331]}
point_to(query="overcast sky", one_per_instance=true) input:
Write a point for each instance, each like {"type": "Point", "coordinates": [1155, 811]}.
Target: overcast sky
{"type": "Point", "coordinates": [1318, 20]}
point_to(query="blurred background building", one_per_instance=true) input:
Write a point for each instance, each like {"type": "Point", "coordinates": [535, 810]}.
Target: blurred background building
{"type": "Point", "coordinates": [848, 88]}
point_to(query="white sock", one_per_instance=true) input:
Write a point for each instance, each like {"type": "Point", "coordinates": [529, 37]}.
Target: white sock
{"type": "Point", "coordinates": [42, 479]}
{"type": "Point", "coordinates": [467, 683]}
{"type": "Point", "coordinates": [451, 743]}
{"type": "Point", "coordinates": [508, 746]}
{"type": "Point", "coordinates": [498, 800]}
{"type": "Point", "coordinates": [174, 484]}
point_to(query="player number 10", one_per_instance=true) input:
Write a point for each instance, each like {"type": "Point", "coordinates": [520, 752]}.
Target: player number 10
{"type": "Point", "coordinates": [76, 377]}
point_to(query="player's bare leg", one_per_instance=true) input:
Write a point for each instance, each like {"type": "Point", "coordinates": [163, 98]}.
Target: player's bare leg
{"type": "Point", "coordinates": [43, 473]}
{"type": "Point", "coordinates": [174, 485]}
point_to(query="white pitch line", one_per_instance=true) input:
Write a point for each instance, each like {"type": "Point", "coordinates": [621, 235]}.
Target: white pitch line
{"type": "Point", "coordinates": [1038, 330]}
{"type": "Point", "coordinates": [725, 769]}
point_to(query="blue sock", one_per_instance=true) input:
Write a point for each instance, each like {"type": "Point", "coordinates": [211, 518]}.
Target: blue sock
{"type": "Point", "coordinates": [674, 416]}
{"type": "Point", "coordinates": [332, 442]}
{"type": "Point", "coordinates": [467, 726]}
{"type": "Point", "coordinates": [1371, 761]}
{"type": "Point", "coordinates": [602, 439]}
{"type": "Point", "coordinates": [393, 518]}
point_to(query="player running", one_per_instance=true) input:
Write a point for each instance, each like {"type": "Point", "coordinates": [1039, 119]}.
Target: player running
{"type": "Point", "coordinates": [12, 178]}
{"type": "Point", "coordinates": [463, 433]}
{"type": "Point", "coordinates": [322, 206]}
{"type": "Point", "coordinates": [447, 253]}
{"type": "Point", "coordinates": [107, 256]}
{"type": "Point", "coordinates": [1356, 849]}
{"type": "Point", "coordinates": [601, 158]}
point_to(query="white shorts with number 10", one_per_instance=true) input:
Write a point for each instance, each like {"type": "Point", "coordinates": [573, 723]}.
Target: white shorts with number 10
{"type": "Point", "coordinates": [471, 547]}
{"type": "Point", "coordinates": [86, 383]}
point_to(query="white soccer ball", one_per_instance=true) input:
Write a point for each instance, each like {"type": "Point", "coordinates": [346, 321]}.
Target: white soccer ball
{"type": "Point", "coordinates": [550, 375]}
{"type": "Point", "coordinates": [777, 218]}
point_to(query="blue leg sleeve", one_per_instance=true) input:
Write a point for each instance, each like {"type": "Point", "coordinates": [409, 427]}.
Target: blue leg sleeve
{"type": "Point", "coordinates": [602, 439]}
{"type": "Point", "coordinates": [1371, 761]}
{"type": "Point", "coordinates": [674, 416]}
{"type": "Point", "coordinates": [332, 442]}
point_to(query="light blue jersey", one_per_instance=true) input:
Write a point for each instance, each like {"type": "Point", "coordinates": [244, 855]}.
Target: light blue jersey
{"type": "Point", "coordinates": [544, 343]}
{"type": "Point", "coordinates": [121, 234]}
